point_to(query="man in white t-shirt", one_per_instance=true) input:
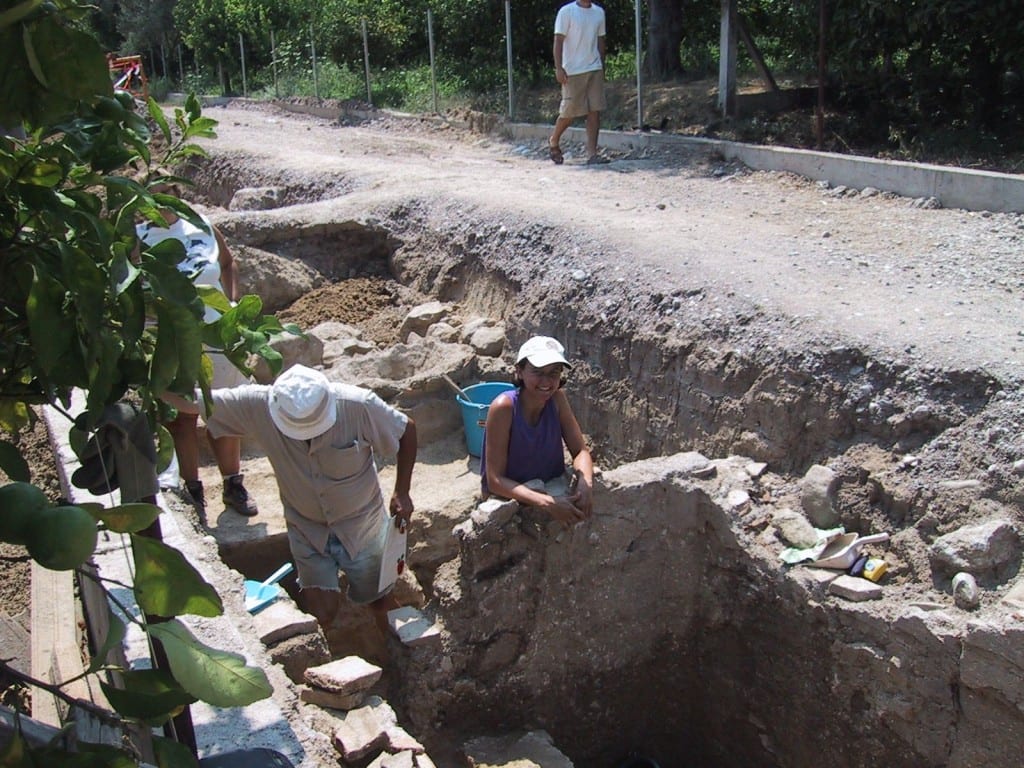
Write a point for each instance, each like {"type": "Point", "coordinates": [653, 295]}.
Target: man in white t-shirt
{"type": "Point", "coordinates": [579, 51]}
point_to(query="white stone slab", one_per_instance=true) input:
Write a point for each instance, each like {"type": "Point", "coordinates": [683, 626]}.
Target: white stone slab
{"type": "Point", "coordinates": [413, 627]}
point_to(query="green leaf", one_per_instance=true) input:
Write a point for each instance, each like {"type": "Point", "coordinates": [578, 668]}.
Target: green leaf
{"type": "Point", "coordinates": [52, 335]}
{"type": "Point", "coordinates": [166, 584]}
{"type": "Point", "coordinates": [128, 518]}
{"type": "Point", "coordinates": [30, 54]}
{"type": "Point", "coordinates": [217, 677]}
{"type": "Point", "coordinates": [201, 127]}
{"type": "Point", "coordinates": [13, 463]}
{"type": "Point", "coordinates": [87, 286]}
{"type": "Point", "coordinates": [41, 174]}
{"type": "Point", "coordinates": [16, 753]}
{"type": "Point", "coordinates": [171, 754]}
{"type": "Point", "coordinates": [115, 635]}
{"type": "Point", "coordinates": [105, 384]}
{"type": "Point", "coordinates": [18, 12]}
{"type": "Point", "coordinates": [164, 365]}
{"type": "Point", "coordinates": [192, 106]}
{"type": "Point", "coordinates": [13, 415]}
{"type": "Point", "coordinates": [150, 695]}
{"type": "Point", "coordinates": [157, 115]}
{"type": "Point", "coordinates": [165, 448]}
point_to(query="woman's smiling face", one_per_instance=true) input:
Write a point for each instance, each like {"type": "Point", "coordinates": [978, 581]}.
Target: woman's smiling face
{"type": "Point", "coordinates": [544, 380]}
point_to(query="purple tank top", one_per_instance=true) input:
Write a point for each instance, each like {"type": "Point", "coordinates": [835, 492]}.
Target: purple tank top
{"type": "Point", "coordinates": [534, 452]}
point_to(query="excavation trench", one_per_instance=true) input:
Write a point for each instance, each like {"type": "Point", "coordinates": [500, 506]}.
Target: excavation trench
{"type": "Point", "coordinates": [666, 626]}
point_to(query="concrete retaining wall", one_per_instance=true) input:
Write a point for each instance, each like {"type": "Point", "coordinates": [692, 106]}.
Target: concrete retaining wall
{"type": "Point", "coordinates": [952, 187]}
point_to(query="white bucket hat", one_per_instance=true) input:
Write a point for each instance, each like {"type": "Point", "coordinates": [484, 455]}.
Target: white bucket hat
{"type": "Point", "coordinates": [301, 403]}
{"type": "Point", "coordinates": [542, 351]}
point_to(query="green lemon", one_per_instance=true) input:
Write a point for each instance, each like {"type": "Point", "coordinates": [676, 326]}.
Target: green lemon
{"type": "Point", "coordinates": [19, 503]}
{"type": "Point", "coordinates": [61, 538]}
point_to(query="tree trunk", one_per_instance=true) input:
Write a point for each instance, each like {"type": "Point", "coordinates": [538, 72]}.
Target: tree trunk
{"type": "Point", "coordinates": [664, 34]}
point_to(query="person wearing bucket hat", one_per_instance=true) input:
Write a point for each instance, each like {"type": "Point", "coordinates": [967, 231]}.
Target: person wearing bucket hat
{"type": "Point", "coordinates": [321, 439]}
{"type": "Point", "coordinates": [527, 432]}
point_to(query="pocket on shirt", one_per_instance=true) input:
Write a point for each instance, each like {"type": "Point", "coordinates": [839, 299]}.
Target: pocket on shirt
{"type": "Point", "coordinates": [345, 463]}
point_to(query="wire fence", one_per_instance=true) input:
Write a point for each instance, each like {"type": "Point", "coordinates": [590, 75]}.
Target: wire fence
{"type": "Point", "coordinates": [295, 70]}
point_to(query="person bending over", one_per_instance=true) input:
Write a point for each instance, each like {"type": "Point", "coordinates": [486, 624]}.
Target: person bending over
{"type": "Point", "coordinates": [321, 439]}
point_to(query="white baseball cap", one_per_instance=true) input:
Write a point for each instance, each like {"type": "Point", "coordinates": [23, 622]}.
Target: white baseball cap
{"type": "Point", "coordinates": [542, 351]}
{"type": "Point", "coordinates": [301, 403]}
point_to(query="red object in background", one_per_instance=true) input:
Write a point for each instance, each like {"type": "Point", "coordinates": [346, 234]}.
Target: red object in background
{"type": "Point", "coordinates": [129, 75]}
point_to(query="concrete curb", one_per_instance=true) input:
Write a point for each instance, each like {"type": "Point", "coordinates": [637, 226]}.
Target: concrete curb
{"type": "Point", "coordinates": [951, 187]}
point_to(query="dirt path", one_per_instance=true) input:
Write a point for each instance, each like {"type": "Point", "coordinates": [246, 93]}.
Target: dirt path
{"type": "Point", "coordinates": [938, 287]}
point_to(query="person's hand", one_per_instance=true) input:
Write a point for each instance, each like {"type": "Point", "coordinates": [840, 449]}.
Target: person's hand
{"type": "Point", "coordinates": [583, 499]}
{"type": "Point", "coordinates": [565, 511]}
{"type": "Point", "coordinates": [401, 506]}
{"type": "Point", "coordinates": [561, 76]}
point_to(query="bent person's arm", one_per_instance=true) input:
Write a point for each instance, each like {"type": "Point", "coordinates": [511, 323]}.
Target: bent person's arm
{"type": "Point", "coordinates": [401, 500]}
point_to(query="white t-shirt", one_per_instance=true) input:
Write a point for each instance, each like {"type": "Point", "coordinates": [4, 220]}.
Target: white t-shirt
{"type": "Point", "coordinates": [202, 265]}
{"type": "Point", "coordinates": [581, 28]}
{"type": "Point", "coordinates": [202, 255]}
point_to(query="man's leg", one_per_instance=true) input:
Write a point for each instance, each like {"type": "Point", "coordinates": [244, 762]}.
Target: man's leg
{"type": "Point", "coordinates": [186, 444]}
{"type": "Point", "coordinates": [228, 452]}
{"type": "Point", "coordinates": [561, 124]}
{"type": "Point", "coordinates": [324, 604]}
{"type": "Point", "coordinates": [593, 128]}
{"type": "Point", "coordinates": [186, 449]}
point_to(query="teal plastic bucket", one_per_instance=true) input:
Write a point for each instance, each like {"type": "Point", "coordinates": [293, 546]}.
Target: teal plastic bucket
{"type": "Point", "coordinates": [474, 411]}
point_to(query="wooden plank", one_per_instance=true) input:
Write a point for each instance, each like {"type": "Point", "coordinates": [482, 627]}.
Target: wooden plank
{"type": "Point", "coordinates": [54, 652]}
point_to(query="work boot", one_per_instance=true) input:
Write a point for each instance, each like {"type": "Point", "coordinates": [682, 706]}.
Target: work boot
{"type": "Point", "coordinates": [237, 498]}
{"type": "Point", "coordinates": [195, 491]}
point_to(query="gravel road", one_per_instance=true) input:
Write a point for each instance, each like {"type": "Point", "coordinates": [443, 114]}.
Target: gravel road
{"type": "Point", "coordinates": [810, 264]}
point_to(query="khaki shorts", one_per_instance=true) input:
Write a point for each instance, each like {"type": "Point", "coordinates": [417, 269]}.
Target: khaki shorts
{"type": "Point", "coordinates": [362, 572]}
{"type": "Point", "coordinates": [582, 94]}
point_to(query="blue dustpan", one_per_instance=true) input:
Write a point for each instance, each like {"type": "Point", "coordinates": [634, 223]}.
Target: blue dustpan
{"type": "Point", "coordinates": [259, 594]}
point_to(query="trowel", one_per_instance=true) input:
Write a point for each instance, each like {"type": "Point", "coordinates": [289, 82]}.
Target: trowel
{"type": "Point", "coordinates": [259, 594]}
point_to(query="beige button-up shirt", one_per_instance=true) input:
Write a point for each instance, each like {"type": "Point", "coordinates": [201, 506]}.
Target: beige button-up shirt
{"type": "Point", "coordinates": [329, 483]}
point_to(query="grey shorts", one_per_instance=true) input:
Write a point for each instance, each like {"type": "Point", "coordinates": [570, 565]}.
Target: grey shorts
{"type": "Point", "coordinates": [321, 570]}
{"type": "Point", "coordinates": [583, 94]}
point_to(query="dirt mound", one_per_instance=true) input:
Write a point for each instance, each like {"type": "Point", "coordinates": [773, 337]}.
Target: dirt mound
{"type": "Point", "coordinates": [369, 303]}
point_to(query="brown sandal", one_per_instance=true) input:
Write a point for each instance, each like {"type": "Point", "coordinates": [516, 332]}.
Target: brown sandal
{"type": "Point", "coordinates": [555, 153]}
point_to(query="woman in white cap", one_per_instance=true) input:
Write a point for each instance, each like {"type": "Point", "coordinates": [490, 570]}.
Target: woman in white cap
{"type": "Point", "coordinates": [321, 438]}
{"type": "Point", "coordinates": [525, 433]}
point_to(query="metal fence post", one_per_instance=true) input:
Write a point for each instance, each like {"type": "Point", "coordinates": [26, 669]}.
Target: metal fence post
{"type": "Point", "coordinates": [508, 55]}
{"type": "Point", "coordinates": [273, 59]}
{"type": "Point", "coordinates": [366, 64]}
{"type": "Point", "coordinates": [639, 62]}
{"type": "Point", "coordinates": [241, 48]}
{"type": "Point", "coordinates": [312, 48]}
{"type": "Point", "coordinates": [433, 70]}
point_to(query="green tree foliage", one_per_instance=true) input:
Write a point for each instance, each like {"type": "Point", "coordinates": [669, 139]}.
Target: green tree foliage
{"type": "Point", "coordinates": [146, 24]}
{"type": "Point", "coordinates": [84, 306]}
